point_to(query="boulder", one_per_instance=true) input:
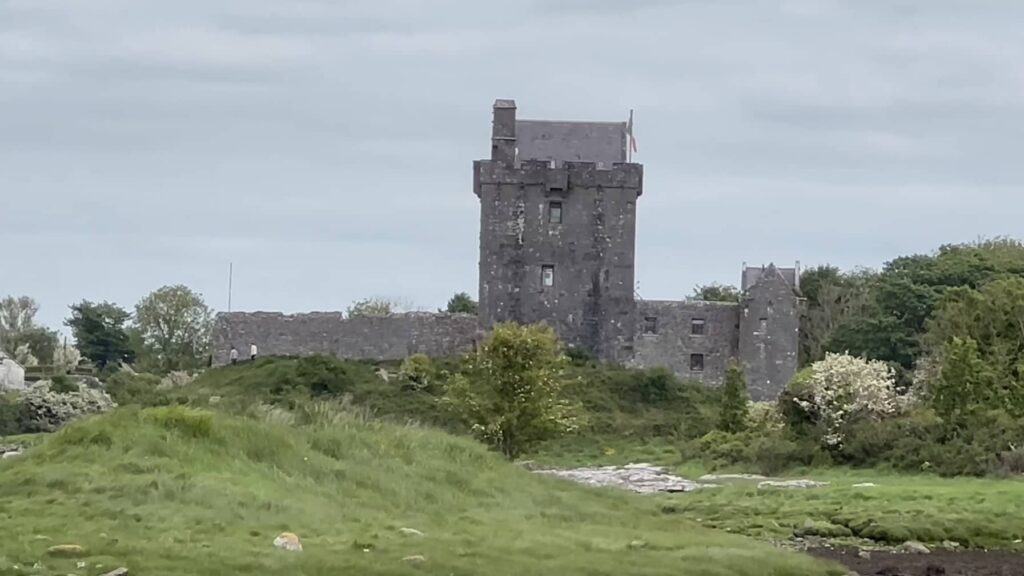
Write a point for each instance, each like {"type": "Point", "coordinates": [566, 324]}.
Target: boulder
{"type": "Point", "coordinates": [12, 375]}
{"type": "Point", "coordinates": [641, 478]}
{"type": "Point", "coordinates": [65, 550]}
{"type": "Point", "coordinates": [409, 532]}
{"type": "Point", "coordinates": [914, 547]}
{"type": "Point", "coordinates": [288, 541]}
{"type": "Point", "coordinates": [804, 483]}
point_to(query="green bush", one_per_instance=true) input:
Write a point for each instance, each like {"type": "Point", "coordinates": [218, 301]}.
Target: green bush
{"type": "Point", "coordinates": [12, 415]}
{"type": "Point", "coordinates": [128, 389]}
{"type": "Point", "coordinates": [62, 383]}
{"type": "Point", "coordinates": [187, 421]}
{"type": "Point", "coordinates": [324, 375]}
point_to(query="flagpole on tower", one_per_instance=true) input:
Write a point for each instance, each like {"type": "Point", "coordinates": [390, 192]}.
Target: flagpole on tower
{"type": "Point", "coordinates": [631, 148]}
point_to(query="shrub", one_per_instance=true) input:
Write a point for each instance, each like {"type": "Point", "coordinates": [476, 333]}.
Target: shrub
{"type": "Point", "coordinates": [512, 392]}
{"type": "Point", "coordinates": [12, 415]}
{"type": "Point", "coordinates": [62, 384]}
{"type": "Point", "coordinates": [128, 388]}
{"type": "Point", "coordinates": [324, 375]}
{"type": "Point", "coordinates": [733, 415]}
{"type": "Point", "coordinates": [47, 410]}
{"type": "Point", "coordinates": [418, 371]}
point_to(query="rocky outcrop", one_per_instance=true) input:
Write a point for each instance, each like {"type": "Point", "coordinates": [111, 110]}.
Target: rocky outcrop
{"type": "Point", "coordinates": [640, 478]}
{"type": "Point", "coordinates": [12, 375]}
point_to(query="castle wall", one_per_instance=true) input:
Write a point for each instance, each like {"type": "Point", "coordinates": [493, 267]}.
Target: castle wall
{"type": "Point", "coordinates": [674, 340]}
{"type": "Point", "coordinates": [590, 250]}
{"type": "Point", "coordinates": [391, 337]}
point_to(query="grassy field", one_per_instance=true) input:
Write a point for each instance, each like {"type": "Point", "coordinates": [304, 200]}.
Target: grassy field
{"type": "Point", "coordinates": [978, 513]}
{"type": "Point", "coordinates": [180, 491]}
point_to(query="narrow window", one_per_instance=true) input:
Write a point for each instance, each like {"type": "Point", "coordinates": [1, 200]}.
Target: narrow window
{"type": "Point", "coordinates": [764, 324]}
{"type": "Point", "coordinates": [650, 325]}
{"type": "Point", "coordinates": [555, 212]}
{"type": "Point", "coordinates": [697, 327]}
{"type": "Point", "coordinates": [696, 362]}
{"type": "Point", "coordinates": [771, 306]}
{"type": "Point", "coordinates": [547, 275]}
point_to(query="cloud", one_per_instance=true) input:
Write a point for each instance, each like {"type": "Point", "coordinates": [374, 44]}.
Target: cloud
{"type": "Point", "coordinates": [325, 147]}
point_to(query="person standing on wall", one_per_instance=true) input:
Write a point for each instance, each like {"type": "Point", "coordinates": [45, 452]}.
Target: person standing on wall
{"type": "Point", "coordinates": [233, 355]}
{"type": "Point", "coordinates": [252, 351]}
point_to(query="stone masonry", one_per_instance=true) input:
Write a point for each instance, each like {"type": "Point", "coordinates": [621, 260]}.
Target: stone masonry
{"type": "Point", "coordinates": [557, 245]}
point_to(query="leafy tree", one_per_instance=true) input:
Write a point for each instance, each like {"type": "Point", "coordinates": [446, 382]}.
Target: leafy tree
{"type": "Point", "coordinates": [733, 416]}
{"type": "Point", "coordinates": [175, 326]}
{"type": "Point", "coordinates": [371, 307]}
{"type": "Point", "coordinates": [99, 331]}
{"type": "Point", "coordinates": [716, 293]}
{"type": "Point", "coordinates": [978, 336]}
{"type": "Point", "coordinates": [35, 340]}
{"type": "Point", "coordinates": [17, 314]}
{"type": "Point", "coordinates": [418, 370]}
{"type": "Point", "coordinates": [832, 297]}
{"type": "Point", "coordinates": [461, 303]}
{"type": "Point", "coordinates": [512, 391]}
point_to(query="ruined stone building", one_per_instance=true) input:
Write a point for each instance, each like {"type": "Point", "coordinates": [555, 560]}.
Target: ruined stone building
{"type": "Point", "coordinates": [557, 245]}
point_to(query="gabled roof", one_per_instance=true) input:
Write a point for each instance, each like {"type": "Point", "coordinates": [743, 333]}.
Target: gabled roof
{"type": "Point", "coordinates": [561, 141]}
{"type": "Point", "coordinates": [752, 275]}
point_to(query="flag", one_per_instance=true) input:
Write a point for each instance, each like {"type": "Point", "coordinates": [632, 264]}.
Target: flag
{"type": "Point", "coordinates": [629, 132]}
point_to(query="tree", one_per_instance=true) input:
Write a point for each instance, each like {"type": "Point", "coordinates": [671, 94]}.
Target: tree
{"type": "Point", "coordinates": [715, 292]}
{"type": "Point", "coordinates": [17, 314]}
{"type": "Point", "coordinates": [18, 330]}
{"type": "Point", "coordinates": [99, 331]}
{"type": "Point", "coordinates": [831, 298]}
{"type": "Point", "coordinates": [733, 415]}
{"type": "Point", "coordinates": [375, 306]}
{"type": "Point", "coordinates": [461, 303]}
{"type": "Point", "coordinates": [512, 391]}
{"type": "Point", "coordinates": [175, 326]}
{"type": "Point", "coordinates": [842, 389]}
{"type": "Point", "coordinates": [36, 340]}
{"type": "Point", "coordinates": [978, 337]}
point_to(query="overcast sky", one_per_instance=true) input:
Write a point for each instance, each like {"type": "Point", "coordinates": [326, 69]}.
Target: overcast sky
{"type": "Point", "coordinates": [325, 146]}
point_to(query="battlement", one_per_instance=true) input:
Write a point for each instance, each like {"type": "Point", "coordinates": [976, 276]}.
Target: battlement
{"type": "Point", "coordinates": [564, 177]}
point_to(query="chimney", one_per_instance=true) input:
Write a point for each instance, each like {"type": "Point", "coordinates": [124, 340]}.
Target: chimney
{"type": "Point", "coordinates": [503, 132]}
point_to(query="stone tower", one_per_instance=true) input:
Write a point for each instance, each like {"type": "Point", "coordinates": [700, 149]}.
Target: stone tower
{"type": "Point", "coordinates": [558, 228]}
{"type": "Point", "coordinates": [769, 329]}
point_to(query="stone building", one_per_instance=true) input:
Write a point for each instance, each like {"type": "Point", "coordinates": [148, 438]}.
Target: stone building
{"type": "Point", "coordinates": [557, 245]}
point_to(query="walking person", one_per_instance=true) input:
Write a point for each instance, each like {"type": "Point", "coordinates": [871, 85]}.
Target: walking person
{"type": "Point", "coordinates": [252, 351]}
{"type": "Point", "coordinates": [233, 355]}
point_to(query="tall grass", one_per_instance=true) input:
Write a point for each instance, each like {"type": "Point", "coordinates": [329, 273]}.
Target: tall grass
{"type": "Point", "coordinates": [177, 490]}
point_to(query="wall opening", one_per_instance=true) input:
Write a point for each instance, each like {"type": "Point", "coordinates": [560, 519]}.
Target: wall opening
{"type": "Point", "coordinates": [697, 326]}
{"type": "Point", "coordinates": [696, 362]}
{"type": "Point", "coordinates": [555, 212]}
{"type": "Point", "coordinates": [547, 275]}
{"type": "Point", "coordinates": [650, 325]}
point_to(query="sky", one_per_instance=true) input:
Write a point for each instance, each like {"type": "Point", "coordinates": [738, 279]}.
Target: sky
{"type": "Point", "coordinates": [324, 148]}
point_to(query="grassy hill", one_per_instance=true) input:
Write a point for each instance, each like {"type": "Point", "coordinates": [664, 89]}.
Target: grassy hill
{"type": "Point", "coordinates": [176, 490]}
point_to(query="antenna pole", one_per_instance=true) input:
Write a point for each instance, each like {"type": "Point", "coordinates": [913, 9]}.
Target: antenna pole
{"type": "Point", "coordinates": [231, 274]}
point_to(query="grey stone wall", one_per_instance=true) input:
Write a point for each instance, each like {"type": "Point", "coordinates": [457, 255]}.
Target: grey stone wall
{"type": "Point", "coordinates": [769, 335]}
{"type": "Point", "coordinates": [673, 339]}
{"type": "Point", "coordinates": [589, 249]}
{"type": "Point", "coordinates": [391, 337]}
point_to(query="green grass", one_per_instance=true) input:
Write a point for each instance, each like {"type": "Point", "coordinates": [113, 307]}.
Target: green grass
{"type": "Point", "coordinates": [182, 491]}
{"type": "Point", "coordinates": [979, 513]}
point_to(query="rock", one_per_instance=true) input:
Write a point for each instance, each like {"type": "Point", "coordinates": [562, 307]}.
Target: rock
{"type": "Point", "coordinates": [288, 541]}
{"type": "Point", "coordinates": [409, 532]}
{"type": "Point", "coordinates": [640, 478]}
{"type": "Point", "coordinates": [415, 559]}
{"type": "Point", "coordinates": [11, 454]}
{"type": "Point", "coordinates": [214, 400]}
{"type": "Point", "coordinates": [950, 545]}
{"type": "Point", "coordinates": [791, 484]}
{"type": "Point", "coordinates": [720, 477]}
{"type": "Point", "coordinates": [80, 565]}
{"type": "Point", "coordinates": [118, 572]}
{"type": "Point", "coordinates": [638, 545]}
{"type": "Point", "coordinates": [914, 547]}
{"type": "Point", "coordinates": [65, 550]}
{"type": "Point", "coordinates": [865, 554]}
{"type": "Point", "coordinates": [12, 375]}
{"type": "Point", "coordinates": [865, 485]}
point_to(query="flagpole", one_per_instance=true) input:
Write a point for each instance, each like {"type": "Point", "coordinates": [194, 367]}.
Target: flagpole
{"type": "Point", "coordinates": [231, 274]}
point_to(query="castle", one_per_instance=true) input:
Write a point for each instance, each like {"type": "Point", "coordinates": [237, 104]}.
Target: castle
{"type": "Point", "coordinates": [557, 245]}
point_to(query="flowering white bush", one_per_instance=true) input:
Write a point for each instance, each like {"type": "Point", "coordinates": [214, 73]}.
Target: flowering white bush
{"type": "Point", "coordinates": [48, 410]}
{"type": "Point", "coordinates": [842, 388]}
{"type": "Point", "coordinates": [764, 416]}
{"type": "Point", "coordinates": [66, 358]}
{"type": "Point", "coordinates": [23, 355]}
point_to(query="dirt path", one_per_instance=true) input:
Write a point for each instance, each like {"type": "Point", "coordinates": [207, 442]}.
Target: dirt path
{"type": "Point", "coordinates": [938, 563]}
